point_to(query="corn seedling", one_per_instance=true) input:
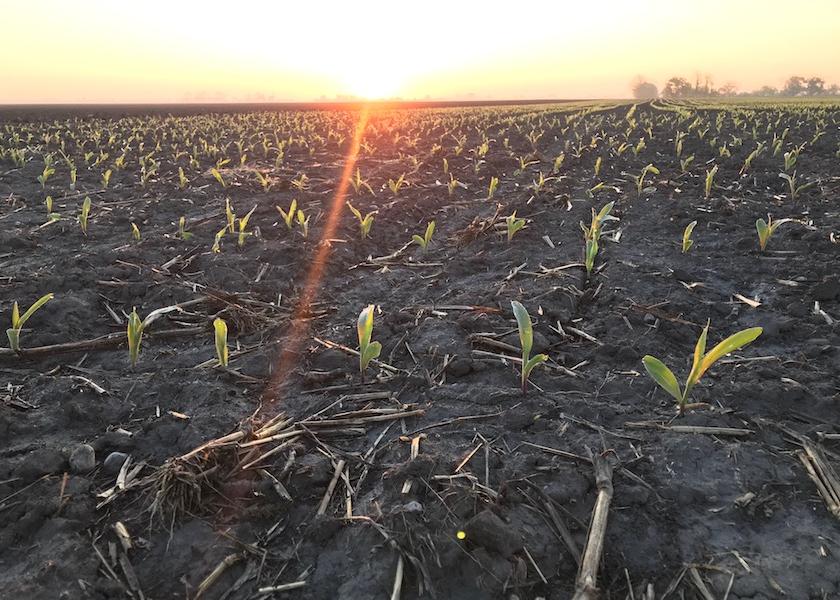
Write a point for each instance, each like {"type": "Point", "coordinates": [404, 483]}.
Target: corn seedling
{"type": "Point", "coordinates": [368, 350]}
{"type": "Point", "coordinates": [19, 320]}
{"type": "Point", "coordinates": [49, 203]}
{"type": "Point", "coordinates": [182, 229]}
{"type": "Point", "coordinates": [45, 174]}
{"type": "Point", "coordinates": [452, 185]}
{"type": "Point", "coordinates": [220, 334]}
{"type": "Point", "coordinates": [218, 177]}
{"type": "Point", "coordinates": [135, 232]}
{"type": "Point", "coordinates": [639, 179]}
{"type": "Point", "coordinates": [766, 229]}
{"type": "Point", "coordinates": [558, 163]}
{"type": "Point", "coordinates": [396, 186]}
{"type": "Point", "coordinates": [795, 189]}
{"type": "Point", "coordinates": [303, 223]}
{"type": "Point", "coordinates": [526, 343]}
{"type": "Point", "coordinates": [423, 241]}
{"type": "Point", "coordinates": [217, 240]}
{"type": "Point", "coordinates": [134, 333]}
{"type": "Point", "coordinates": [264, 181]}
{"type": "Point", "coordinates": [710, 180]}
{"type": "Point", "coordinates": [590, 253]}
{"type": "Point", "coordinates": [106, 178]}
{"type": "Point", "coordinates": [358, 183]}
{"type": "Point", "coordinates": [598, 220]}
{"type": "Point", "coordinates": [494, 184]}
{"type": "Point", "coordinates": [687, 242]}
{"type": "Point", "coordinates": [513, 225]}
{"type": "Point", "coordinates": [230, 216]}
{"type": "Point", "coordinates": [685, 163]}
{"type": "Point", "coordinates": [666, 379]}
{"type": "Point", "coordinates": [243, 223]}
{"type": "Point", "coordinates": [85, 215]}
{"type": "Point", "coordinates": [445, 166]}
{"type": "Point", "coordinates": [598, 162]}
{"type": "Point", "coordinates": [183, 182]}
{"type": "Point", "coordinates": [365, 222]}
{"type": "Point", "coordinates": [289, 215]}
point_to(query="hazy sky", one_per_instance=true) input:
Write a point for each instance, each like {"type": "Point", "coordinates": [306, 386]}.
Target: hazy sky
{"type": "Point", "coordinates": [174, 50]}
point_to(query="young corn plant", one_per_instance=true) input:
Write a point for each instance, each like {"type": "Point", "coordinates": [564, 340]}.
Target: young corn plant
{"type": "Point", "coordinates": [220, 331]}
{"type": "Point", "coordinates": [182, 229]}
{"type": "Point", "coordinates": [423, 241]}
{"type": "Point", "coordinates": [513, 225]}
{"type": "Point", "coordinates": [687, 242]}
{"type": "Point", "coordinates": [590, 253]}
{"type": "Point", "coordinates": [243, 224]}
{"type": "Point", "coordinates": [134, 333]}
{"type": "Point", "coordinates": [183, 182]}
{"type": "Point", "coordinates": [289, 215]}
{"type": "Point", "coordinates": [218, 177]}
{"type": "Point", "coordinates": [494, 184]}
{"type": "Point", "coordinates": [106, 178]}
{"type": "Point", "coordinates": [217, 240]}
{"type": "Point", "coordinates": [48, 201]}
{"type": "Point", "coordinates": [265, 182]}
{"type": "Point", "coordinates": [452, 185]}
{"type": "Point", "coordinates": [45, 175]}
{"type": "Point", "coordinates": [710, 181]}
{"type": "Point", "coordinates": [303, 223]}
{"type": "Point", "coordinates": [19, 320]}
{"type": "Point", "coordinates": [639, 179]}
{"type": "Point", "coordinates": [368, 350]}
{"type": "Point", "coordinates": [795, 190]}
{"type": "Point", "coordinates": [85, 215]}
{"type": "Point", "coordinates": [358, 184]}
{"type": "Point", "coordinates": [365, 222]}
{"type": "Point", "coordinates": [135, 232]}
{"type": "Point", "coordinates": [666, 379]}
{"type": "Point", "coordinates": [526, 343]}
{"type": "Point", "coordinates": [396, 186]}
{"type": "Point", "coordinates": [766, 229]}
{"type": "Point", "coordinates": [230, 216]}
{"type": "Point", "coordinates": [598, 220]}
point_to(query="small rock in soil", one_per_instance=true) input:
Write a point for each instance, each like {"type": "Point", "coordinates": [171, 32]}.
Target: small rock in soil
{"type": "Point", "coordinates": [114, 462]}
{"type": "Point", "coordinates": [82, 459]}
{"type": "Point", "coordinates": [42, 462]}
{"type": "Point", "coordinates": [460, 367]}
{"type": "Point", "coordinates": [487, 529]}
{"type": "Point", "coordinates": [114, 440]}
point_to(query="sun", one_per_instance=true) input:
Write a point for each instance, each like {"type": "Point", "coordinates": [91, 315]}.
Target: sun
{"type": "Point", "coordinates": [373, 84]}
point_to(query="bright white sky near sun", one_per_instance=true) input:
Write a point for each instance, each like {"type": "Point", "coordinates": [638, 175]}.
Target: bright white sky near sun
{"type": "Point", "coordinates": [176, 50]}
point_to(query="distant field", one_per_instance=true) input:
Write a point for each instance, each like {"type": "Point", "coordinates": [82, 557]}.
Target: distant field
{"type": "Point", "coordinates": [293, 464]}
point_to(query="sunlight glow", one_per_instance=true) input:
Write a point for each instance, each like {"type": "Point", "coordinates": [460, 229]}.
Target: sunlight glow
{"type": "Point", "coordinates": [191, 50]}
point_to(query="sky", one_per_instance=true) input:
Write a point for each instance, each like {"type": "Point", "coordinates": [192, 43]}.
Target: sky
{"type": "Point", "coordinates": [59, 51]}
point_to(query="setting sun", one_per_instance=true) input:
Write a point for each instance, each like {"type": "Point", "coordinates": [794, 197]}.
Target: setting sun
{"type": "Point", "coordinates": [186, 51]}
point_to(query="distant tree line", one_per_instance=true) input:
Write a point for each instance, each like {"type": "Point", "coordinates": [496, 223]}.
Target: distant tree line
{"type": "Point", "coordinates": [703, 87]}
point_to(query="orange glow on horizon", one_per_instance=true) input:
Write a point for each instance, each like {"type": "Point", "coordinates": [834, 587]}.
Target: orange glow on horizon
{"type": "Point", "coordinates": [103, 51]}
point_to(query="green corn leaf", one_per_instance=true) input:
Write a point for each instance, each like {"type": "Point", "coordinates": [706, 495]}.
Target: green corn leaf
{"type": "Point", "coordinates": [371, 352]}
{"type": "Point", "coordinates": [364, 326]}
{"type": "Point", "coordinates": [730, 344]}
{"type": "Point", "coordinates": [663, 376]}
{"type": "Point", "coordinates": [18, 321]}
{"type": "Point", "coordinates": [533, 362]}
{"type": "Point", "coordinates": [526, 331]}
{"type": "Point", "coordinates": [221, 331]}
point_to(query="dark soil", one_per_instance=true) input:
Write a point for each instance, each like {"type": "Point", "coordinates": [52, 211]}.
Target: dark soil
{"type": "Point", "coordinates": [736, 515]}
